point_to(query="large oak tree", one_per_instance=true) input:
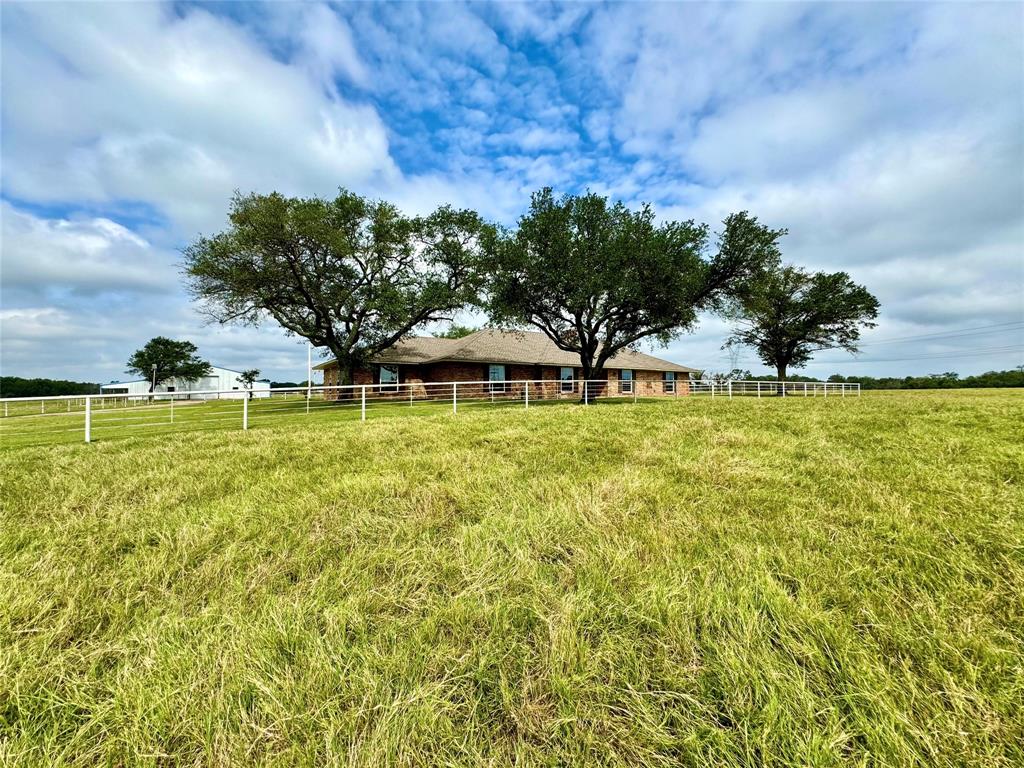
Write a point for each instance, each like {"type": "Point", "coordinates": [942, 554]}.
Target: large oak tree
{"type": "Point", "coordinates": [788, 314]}
{"type": "Point", "coordinates": [597, 277]}
{"type": "Point", "coordinates": [350, 274]}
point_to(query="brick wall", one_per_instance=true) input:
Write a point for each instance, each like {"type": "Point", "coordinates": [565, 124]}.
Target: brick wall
{"type": "Point", "coordinates": [646, 383]}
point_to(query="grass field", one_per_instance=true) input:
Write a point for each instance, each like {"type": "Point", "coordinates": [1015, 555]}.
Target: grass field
{"type": "Point", "coordinates": [693, 582]}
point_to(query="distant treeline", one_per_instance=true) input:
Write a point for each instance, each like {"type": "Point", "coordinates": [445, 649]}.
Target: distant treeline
{"type": "Point", "coordinates": [948, 380]}
{"type": "Point", "coordinates": [15, 386]}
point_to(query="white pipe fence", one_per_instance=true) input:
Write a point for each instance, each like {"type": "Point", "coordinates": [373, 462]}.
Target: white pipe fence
{"type": "Point", "coordinates": [58, 417]}
{"type": "Point", "coordinates": [773, 388]}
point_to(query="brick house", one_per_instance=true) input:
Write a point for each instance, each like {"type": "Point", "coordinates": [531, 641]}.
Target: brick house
{"type": "Point", "coordinates": [496, 357]}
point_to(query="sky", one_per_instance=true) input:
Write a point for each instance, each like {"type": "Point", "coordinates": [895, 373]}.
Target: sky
{"type": "Point", "coordinates": [887, 138]}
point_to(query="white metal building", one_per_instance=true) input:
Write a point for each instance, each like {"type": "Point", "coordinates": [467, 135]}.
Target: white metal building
{"type": "Point", "coordinates": [225, 380]}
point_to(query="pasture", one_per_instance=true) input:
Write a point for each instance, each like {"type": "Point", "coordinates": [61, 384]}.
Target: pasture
{"type": "Point", "coordinates": [680, 582]}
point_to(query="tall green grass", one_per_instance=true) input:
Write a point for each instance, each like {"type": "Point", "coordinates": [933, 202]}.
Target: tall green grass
{"type": "Point", "coordinates": [694, 582]}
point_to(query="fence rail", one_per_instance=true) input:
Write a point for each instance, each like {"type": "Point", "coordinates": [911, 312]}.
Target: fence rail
{"type": "Point", "coordinates": [66, 418]}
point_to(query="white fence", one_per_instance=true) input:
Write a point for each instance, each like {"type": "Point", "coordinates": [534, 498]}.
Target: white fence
{"type": "Point", "coordinates": [773, 388]}
{"type": "Point", "coordinates": [66, 418]}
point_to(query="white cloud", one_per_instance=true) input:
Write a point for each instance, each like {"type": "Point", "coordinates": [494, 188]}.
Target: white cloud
{"type": "Point", "coordinates": [131, 101]}
{"type": "Point", "coordinates": [883, 136]}
{"type": "Point", "coordinates": [85, 257]}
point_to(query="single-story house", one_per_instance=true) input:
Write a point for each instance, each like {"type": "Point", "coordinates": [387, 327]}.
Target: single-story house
{"type": "Point", "coordinates": [223, 380]}
{"type": "Point", "coordinates": [499, 357]}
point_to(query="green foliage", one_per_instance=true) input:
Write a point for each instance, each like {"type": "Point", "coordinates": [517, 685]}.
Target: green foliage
{"type": "Point", "coordinates": [15, 386]}
{"type": "Point", "coordinates": [949, 380]}
{"type": "Point", "coordinates": [249, 377]}
{"type": "Point", "coordinates": [787, 314]}
{"type": "Point", "coordinates": [716, 583]}
{"type": "Point", "coordinates": [350, 274]}
{"type": "Point", "coordinates": [173, 360]}
{"type": "Point", "coordinates": [596, 277]}
{"type": "Point", "coordinates": [455, 332]}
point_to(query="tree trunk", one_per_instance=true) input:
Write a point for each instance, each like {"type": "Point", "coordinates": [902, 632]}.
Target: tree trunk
{"type": "Point", "coordinates": [592, 386]}
{"type": "Point", "coordinates": [346, 373]}
{"type": "Point", "coordinates": [781, 372]}
{"type": "Point", "coordinates": [346, 377]}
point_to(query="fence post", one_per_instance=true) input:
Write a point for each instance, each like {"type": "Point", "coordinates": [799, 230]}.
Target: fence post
{"type": "Point", "coordinates": [42, 406]}
{"type": "Point", "coordinates": [842, 390]}
{"type": "Point", "coordinates": [245, 413]}
{"type": "Point", "coordinates": [730, 390]}
{"type": "Point", "coordinates": [712, 390]}
{"type": "Point", "coordinates": [759, 390]}
{"type": "Point", "coordinates": [783, 389]}
{"type": "Point", "coordinates": [634, 390]}
{"type": "Point", "coordinates": [455, 397]}
{"type": "Point", "coordinates": [88, 419]}
{"type": "Point", "coordinates": [586, 400]}
{"type": "Point", "coordinates": [362, 404]}
{"type": "Point", "coordinates": [172, 409]}
{"type": "Point", "coordinates": [527, 394]}
{"type": "Point", "coordinates": [824, 388]}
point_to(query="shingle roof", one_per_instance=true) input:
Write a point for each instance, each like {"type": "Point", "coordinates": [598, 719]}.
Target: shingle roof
{"type": "Point", "coordinates": [493, 346]}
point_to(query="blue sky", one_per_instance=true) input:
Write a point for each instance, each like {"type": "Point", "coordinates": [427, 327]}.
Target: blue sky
{"type": "Point", "coordinates": [887, 138]}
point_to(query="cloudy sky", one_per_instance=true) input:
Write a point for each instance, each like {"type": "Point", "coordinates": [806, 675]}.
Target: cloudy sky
{"type": "Point", "coordinates": [888, 139]}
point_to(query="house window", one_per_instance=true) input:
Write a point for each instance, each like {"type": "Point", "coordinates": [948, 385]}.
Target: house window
{"type": "Point", "coordinates": [388, 378]}
{"type": "Point", "coordinates": [626, 382]}
{"type": "Point", "coordinates": [567, 377]}
{"type": "Point", "coordinates": [670, 382]}
{"type": "Point", "coordinates": [170, 389]}
{"type": "Point", "coordinates": [496, 378]}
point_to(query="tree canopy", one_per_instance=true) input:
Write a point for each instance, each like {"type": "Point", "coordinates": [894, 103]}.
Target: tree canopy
{"type": "Point", "coordinates": [173, 360]}
{"type": "Point", "coordinates": [455, 332]}
{"type": "Point", "coordinates": [16, 386]}
{"type": "Point", "coordinates": [597, 277]}
{"type": "Point", "coordinates": [248, 377]}
{"type": "Point", "coordinates": [788, 314]}
{"type": "Point", "coordinates": [351, 274]}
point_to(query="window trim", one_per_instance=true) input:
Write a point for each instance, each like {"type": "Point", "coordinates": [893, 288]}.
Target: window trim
{"type": "Point", "coordinates": [669, 382]}
{"type": "Point", "coordinates": [499, 384]}
{"type": "Point", "coordinates": [571, 381]}
{"type": "Point", "coordinates": [388, 386]}
{"type": "Point", "coordinates": [627, 383]}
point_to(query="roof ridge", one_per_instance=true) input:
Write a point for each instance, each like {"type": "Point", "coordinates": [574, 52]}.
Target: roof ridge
{"type": "Point", "coordinates": [460, 342]}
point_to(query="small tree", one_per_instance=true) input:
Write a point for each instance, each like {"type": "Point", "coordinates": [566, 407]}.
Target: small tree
{"type": "Point", "coordinates": [163, 359]}
{"type": "Point", "coordinates": [350, 274]}
{"type": "Point", "coordinates": [248, 378]}
{"type": "Point", "coordinates": [597, 277]}
{"type": "Point", "coordinates": [788, 314]}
